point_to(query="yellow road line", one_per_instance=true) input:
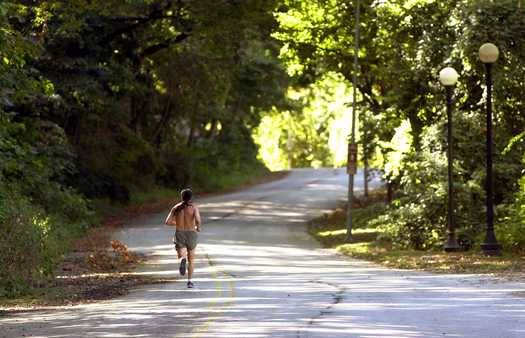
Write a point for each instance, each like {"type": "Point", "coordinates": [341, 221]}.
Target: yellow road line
{"type": "Point", "coordinates": [204, 327]}
{"type": "Point", "coordinates": [220, 310]}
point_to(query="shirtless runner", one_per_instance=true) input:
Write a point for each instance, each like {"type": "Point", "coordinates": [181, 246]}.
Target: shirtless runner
{"type": "Point", "coordinates": [187, 220]}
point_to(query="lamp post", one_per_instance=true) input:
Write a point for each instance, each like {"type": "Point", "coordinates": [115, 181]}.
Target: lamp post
{"type": "Point", "coordinates": [352, 146]}
{"type": "Point", "coordinates": [488, 54]}
{"type": "Point", "coordinates": [448, 78]}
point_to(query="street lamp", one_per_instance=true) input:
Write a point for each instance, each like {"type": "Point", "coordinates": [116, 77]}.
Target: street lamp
{"type": "Point", "coordinates": [488, 54]}
{"type": "Point", "coordinates": [448, 78]}
{"type": "Point", "coordinates": [352, 146]}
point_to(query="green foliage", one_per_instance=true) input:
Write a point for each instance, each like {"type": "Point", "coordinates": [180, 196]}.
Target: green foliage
{"type": "Point", "coordinates": [511, 225]}
{"type": "Point", "coordinates": [110, 98]}
{"type": "Point", "coordinates": [110, 164]}
{"type": "Point", "coordinates": [38, 214]}
{"type": "Point", "coordinates": [211, 165]}
{"type": "Point", "coordinates": [402, 51]}
{"type": "Point", "coordinates": [312, 131]}
{"type": "Point", "coordinates": [32, 241]}
{"type": "Point", "coordinates": [418, 218]}
{"type": "Point", "coordinates": [20, 243]}
{"type": "Point", "coordinates": [133, 78]}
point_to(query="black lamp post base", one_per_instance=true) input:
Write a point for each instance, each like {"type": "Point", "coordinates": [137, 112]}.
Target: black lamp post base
{"type": "Point", "coordinates": [451, 245]}
{"type": "Point", "coordinates": [491, 249]}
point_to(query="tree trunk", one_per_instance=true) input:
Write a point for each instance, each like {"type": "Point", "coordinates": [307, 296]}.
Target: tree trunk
{"type": "Point", "coordinates": [189, 143]}
{"type": "Point", "coordinates": [213, 132]}
{"type": "Point", "coordinates": [163, 123]}
{"type": "Point", "coordinates": [390, 192]}
{"type": "Point", "coordinates": [365, 171]}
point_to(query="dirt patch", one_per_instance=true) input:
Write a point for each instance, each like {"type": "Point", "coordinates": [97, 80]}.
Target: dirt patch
{"type": "Point", "coordinates": [86, 277]}
{"type": "Point", "coordinates": [74, 290]}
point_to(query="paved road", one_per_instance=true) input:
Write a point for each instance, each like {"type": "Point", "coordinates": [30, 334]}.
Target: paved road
{"type": "Point", "coordinates": [260, 275]}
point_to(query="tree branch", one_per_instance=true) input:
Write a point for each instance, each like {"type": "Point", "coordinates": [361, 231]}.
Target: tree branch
{"type": "Point", "coordinates": [141, 19]}
{"type": "Point", "coordinates": [163, 45]}
{"type": "Point", "coordinates": [156, 12]}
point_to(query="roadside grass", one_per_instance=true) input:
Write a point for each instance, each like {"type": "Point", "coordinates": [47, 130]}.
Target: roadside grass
{"type": "Point", "coordinates": [222, 183]}
{"type": "Point", "coordinates": [100, 269]}
{"type": "Point", "coordinates": [159, 199]}
{"type": "Point", "coordinates": [330, 231]}
{"type": "Point", "coordinates": [155, 194]}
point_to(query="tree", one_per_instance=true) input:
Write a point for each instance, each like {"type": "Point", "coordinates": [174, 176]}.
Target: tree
{"type": "Point", "coordinates": [402, 51]}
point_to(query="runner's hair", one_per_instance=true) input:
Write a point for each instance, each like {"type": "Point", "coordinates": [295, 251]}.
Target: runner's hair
{"type": "Point", "coordinates": [186, 195]}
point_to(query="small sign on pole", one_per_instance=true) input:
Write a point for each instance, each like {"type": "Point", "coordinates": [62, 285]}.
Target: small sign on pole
{"type": "Point", "coordinates": [351, 167]}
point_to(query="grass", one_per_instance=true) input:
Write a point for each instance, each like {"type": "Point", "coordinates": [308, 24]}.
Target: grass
{"type": "Point", "coordinates": [158, 199]}
{"type": "Point", "coordinates": [330, 231]}
{"type": "Point", "coordinates": [222, 184]}
{"type": "Point", "coordinates": [155, 194]}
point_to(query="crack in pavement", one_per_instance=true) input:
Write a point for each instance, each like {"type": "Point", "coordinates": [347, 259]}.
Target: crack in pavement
{"type": "Point", "coordinates": [337, 297]}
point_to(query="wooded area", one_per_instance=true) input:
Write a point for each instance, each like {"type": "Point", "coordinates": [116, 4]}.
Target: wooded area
{"type": "Point", "coordinates": [102, 98]}
{"type": "Point", "coordinates": [99, 99]}
{"type": "Point", "coordinates": [403, 46]}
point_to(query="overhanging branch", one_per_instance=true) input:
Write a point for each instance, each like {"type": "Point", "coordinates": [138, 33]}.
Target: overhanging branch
{"type": "Point", "coordinates": [163, 45]}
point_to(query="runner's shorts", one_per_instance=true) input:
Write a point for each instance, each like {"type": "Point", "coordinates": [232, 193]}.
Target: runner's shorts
{"type": "Point", "coordinates": [185, 239]}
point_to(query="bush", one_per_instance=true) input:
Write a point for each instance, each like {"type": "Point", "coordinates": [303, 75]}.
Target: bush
{"type": "Point", "coordinates": [39, 215]}
{"type": "Point", "coordinates": [32, 241]}
{"type": "Point", "coordinates": [418, 219]}
{"type": "Point", "coordinates": [20, 242]}
{"type": "Point", "coordinates": [211, 165]}
{"type": "Point", "coordinates": [510, 228]}
{"type": "Point", "coordinates": [112, 162]}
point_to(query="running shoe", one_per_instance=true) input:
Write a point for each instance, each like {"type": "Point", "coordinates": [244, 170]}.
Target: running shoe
{"type": "Point", "coordinates": [182, 266]}
{"type": "Point", "coordinates": [190, 285]}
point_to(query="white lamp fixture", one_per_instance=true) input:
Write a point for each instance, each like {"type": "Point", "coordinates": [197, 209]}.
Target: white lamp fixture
{"type": "Point", "coordinates": [448, 76]}
{"type": "Point", "coordinates": [488, 53]}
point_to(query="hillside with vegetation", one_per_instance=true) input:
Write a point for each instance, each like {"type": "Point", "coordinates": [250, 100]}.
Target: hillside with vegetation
{"type": "Point", "coordinates": [102, 100]}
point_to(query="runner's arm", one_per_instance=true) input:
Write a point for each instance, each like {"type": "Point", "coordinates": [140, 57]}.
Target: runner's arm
{"type": "Point", "coordinates": [198, 220]}
{"type": "Point", "coordinates": [170, 220]}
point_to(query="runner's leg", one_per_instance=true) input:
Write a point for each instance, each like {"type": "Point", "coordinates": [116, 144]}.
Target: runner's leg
{"type": "Point", "coordinates": [179, 246]}
{"type": "Point", "coordinates": [180, 252]}
{"type": "Point", "coordinates": [191, 259]}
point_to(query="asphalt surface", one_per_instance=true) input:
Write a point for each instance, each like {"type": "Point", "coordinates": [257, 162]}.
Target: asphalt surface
{"type": "Point", "coordinates": [260, 275]}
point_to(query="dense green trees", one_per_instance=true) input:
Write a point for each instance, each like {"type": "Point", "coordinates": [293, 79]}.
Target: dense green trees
{"type": "Point", "coordinates": [99, 99]}
{"type": "Point", "coordinates": [404, 44]}
{"type": "Point", "coordinates": [141, 82]}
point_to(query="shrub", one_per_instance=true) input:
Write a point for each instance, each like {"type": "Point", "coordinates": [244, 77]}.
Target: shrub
{"type": "Point", "coordinates": [510, 228]}
{"type": "Point", "coordinates": [31, 240]}
{"type": "Point", "coordinates": [22, 230]}
{"type": "Point", "coordinates": [418, 219]}
{"type": "Point", "coordinates": [113, 161]}
{"type": "Point", "coordinates": [39, 215]}
{"type": "Point", "coordinates": [210, 165]}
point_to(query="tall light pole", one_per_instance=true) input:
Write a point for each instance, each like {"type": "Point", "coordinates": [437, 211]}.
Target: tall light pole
{"type": "Point", "coordinates": [488, 54]}
{"type": "Point", "coordinates": [448, 78]}
{"type": "Point", "coordinates": [352, 146]}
